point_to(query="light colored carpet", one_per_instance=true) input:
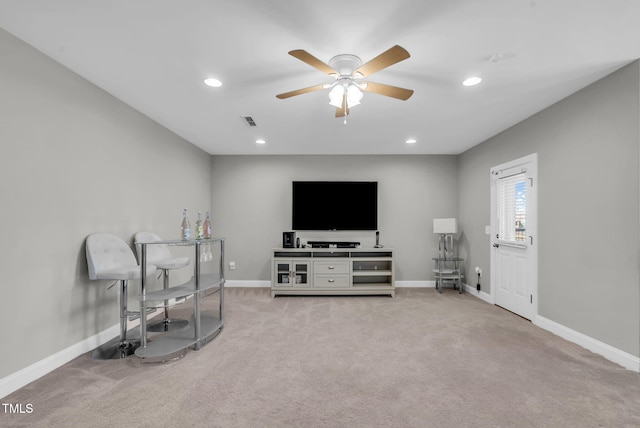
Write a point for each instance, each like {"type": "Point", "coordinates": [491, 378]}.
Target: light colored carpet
{"type": "Point", "coordinates": [418, 360]}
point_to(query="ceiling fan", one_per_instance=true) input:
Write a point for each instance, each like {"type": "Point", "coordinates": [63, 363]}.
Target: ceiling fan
{"type": "Point", "coordinates": [348, 70]}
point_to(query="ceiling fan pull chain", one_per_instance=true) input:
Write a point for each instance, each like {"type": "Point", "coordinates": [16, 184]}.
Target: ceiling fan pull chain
{"type": "Point", "coordinates": [346, 110]}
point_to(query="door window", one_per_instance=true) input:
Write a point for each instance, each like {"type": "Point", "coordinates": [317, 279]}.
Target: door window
{"type": "Point", "coordinates": [512, 208]}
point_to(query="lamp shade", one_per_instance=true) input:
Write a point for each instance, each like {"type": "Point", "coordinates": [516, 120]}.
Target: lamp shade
{"type": "Point", "coordinates": [445, 226]}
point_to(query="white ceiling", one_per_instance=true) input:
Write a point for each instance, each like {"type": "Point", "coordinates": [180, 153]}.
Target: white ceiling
{"type": "Point", "coordinates": [154, 55]}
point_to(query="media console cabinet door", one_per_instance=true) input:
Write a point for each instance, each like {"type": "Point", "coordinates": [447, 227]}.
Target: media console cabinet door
{"type": "Point", "coordinates": [292, 273]}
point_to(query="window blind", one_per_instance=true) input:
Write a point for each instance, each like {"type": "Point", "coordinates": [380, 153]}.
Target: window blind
{"type": "Point", "coordinates": [512, 208]}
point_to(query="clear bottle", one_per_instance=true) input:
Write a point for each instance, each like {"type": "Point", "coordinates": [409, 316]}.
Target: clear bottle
{"type": "Point", "coordinates": [199, 227]}
{"type": "Point", "coordinates": [186, 227]}
{"type": "Point", "coordinates": [207, 226]}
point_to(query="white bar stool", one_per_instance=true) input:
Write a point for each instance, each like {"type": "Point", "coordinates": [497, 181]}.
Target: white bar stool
{"type": "Point", "coordinates": [110, 258]}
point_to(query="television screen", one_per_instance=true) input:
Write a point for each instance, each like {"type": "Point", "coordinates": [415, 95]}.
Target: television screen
{"type": "Point", "coordinates": [335, 205]}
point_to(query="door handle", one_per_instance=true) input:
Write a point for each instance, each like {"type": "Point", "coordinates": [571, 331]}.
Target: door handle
{"type": "Point", "coordinates": [496, 245]}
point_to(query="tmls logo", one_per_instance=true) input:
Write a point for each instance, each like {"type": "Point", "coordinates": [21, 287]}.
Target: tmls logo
{"type": "Point", "coordinates": [17, 408]}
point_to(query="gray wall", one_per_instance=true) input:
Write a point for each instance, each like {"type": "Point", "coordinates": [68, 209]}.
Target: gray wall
{"type": "Point", "coordinates": [588, 197]}
{"type": "Point", "coordinates": [252, 205]}
{"type": "Point", "coordinates": [74, 160]}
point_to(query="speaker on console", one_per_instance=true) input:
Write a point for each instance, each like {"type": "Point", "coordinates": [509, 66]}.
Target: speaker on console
{"type": "Point", "coordinates": [288, 239]}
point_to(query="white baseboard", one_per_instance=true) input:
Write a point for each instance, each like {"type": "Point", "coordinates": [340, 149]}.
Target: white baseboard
{"type": "Point", "coordinates": [415, 284]}
{"type": "Point", "coordinates": [479, 294]}
{"type": "Point", "coordinates": [23, 377]}
{"type": "Point", "coordinates": [17, 380]}
{"type": "Point", "coordinates": [267, 284]}
{"type": "Point", "coordinates": [248, 284]}
{"type": "Point", "coordinates": [431, 284]}
{"type": "Point", "coordinates": [626, 360]}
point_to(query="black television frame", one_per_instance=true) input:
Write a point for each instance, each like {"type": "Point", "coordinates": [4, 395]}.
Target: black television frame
{"type": "Point", "coordinates": [334, 205]}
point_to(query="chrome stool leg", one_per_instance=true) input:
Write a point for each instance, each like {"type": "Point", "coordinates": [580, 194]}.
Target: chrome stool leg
{"type": "Point", "coordinates": [167, 323]}
{"type": "Point", "coordinates": [120, 347]}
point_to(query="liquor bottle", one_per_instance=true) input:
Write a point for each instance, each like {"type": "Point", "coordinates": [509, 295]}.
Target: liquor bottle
{"type": "Point", "coordinates": [207, 226]}
{"type": "Point", "coordinates": [186, 227]}
{"type": "Point", "coordinates": [199, 227]}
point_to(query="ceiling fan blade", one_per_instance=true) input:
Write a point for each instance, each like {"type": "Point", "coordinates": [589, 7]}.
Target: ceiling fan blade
{"type": "Point", "coordinates": [299, 91]}
{"type": "Point", "coordinates": [344, 110]}
{"type": "Point", "coordinates": [389, 91]}
{"type": "Point", "coordinates": [305, 56]}
{"type": "Point", "coordinates": [384, 60]}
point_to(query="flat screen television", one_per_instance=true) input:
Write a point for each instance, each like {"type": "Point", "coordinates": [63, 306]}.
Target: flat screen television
{"type": "Point", "coordinates": [335, 205]}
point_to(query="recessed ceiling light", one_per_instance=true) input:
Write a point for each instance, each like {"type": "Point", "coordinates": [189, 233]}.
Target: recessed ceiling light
{"type": "Point", "coordinates": [411, 141]}
{"type": "Point", "coordinates": [212, 82]}
{"type": "Point", "coordinates": [261, 142]}
{"type": "Point", "coordinates": [472, 81]}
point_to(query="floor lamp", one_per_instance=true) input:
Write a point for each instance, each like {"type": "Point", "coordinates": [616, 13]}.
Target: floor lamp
{"type": "Point", "coordinates": [446, 228]}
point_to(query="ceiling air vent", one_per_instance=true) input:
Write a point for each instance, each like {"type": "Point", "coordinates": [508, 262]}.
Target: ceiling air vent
{"type": "Point", "coordinates": [249, 120]}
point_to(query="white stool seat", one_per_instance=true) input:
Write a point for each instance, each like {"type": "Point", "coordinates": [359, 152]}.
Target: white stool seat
{"type": "Point", "coordinates": [124, 273]}
{"type": "Point", "coordinates": [173, 263]}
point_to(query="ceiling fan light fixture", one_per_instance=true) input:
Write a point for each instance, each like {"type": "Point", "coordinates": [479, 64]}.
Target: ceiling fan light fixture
{"type": "Point", "coordinates": [345, 64]}
{"type": "Point", "coordinates": [354, 95]}
{"type": "Point", "coordinates": [336, 96]}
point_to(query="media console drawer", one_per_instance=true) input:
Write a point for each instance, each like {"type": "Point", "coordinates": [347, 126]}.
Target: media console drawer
{"type": "Point", "coordinates": [331, 281]}
{"type": "Point", "coordinates": [330, 267]}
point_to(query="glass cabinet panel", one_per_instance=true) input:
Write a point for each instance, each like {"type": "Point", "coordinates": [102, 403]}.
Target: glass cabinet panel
{"type": "Point", "coordinates": [292, 273]}
{"type": "Point", "coordinates": [301, 273]}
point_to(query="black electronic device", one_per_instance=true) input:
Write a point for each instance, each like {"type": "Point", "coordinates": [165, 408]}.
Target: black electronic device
{"type": "Point", "coordinates": [333, 244]}
{"type": "Point", "coordinates": [288, 239]}
{"type": "Point", "coordinates": [335, 205]}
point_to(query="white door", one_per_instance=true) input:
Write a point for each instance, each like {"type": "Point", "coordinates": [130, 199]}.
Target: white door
{"type": "Point", "coordinates": [514, 260]}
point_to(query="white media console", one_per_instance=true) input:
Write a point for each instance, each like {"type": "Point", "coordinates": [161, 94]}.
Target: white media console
{"type": "Point", "coordinates": [332, 271]}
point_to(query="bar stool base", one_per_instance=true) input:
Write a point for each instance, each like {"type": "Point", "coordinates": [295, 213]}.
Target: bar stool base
{"type": "Point", "coordinates": [167, 324]}
{"type": "Point", "coordinates": [115, 349]}
{"type": "Point", "coordinates": [165, 358]}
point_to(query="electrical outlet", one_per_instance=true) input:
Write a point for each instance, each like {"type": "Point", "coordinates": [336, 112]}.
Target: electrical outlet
{"type": "Point", "coordinates": [232, 265]}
